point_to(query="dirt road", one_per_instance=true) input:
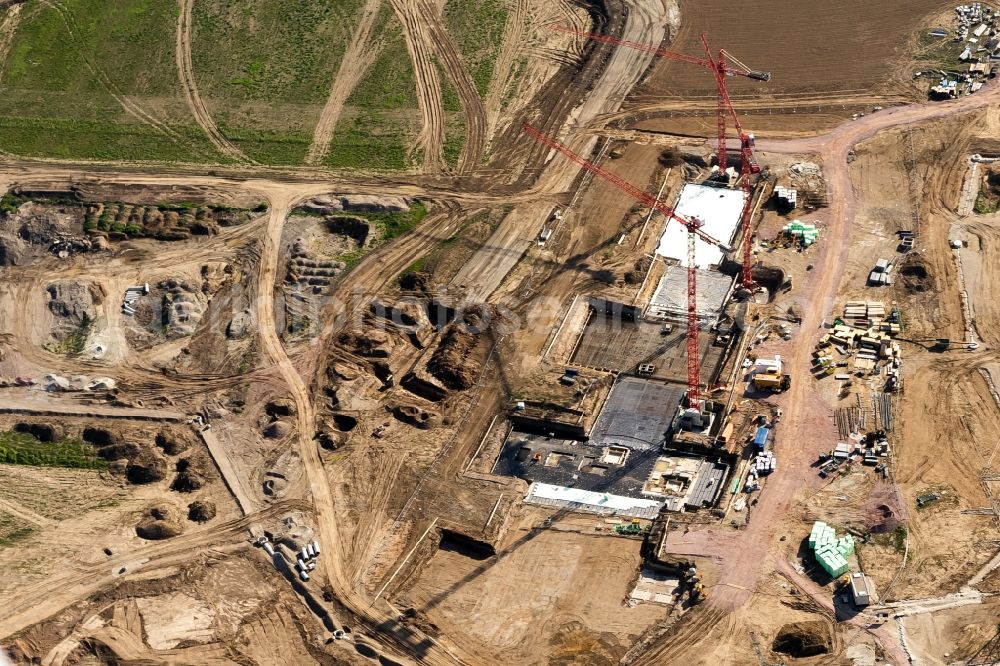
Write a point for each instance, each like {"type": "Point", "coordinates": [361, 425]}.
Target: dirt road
{"type": "Point", "coordinates": [430, 140]}
{"type": "Point", "coordinates": [185, 72]}
{"type": "Point", "coordinates": [451, 60]}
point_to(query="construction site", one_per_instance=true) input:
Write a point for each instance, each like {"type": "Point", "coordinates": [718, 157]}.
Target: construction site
{"type": "Point", "coordinates": [672, 359]}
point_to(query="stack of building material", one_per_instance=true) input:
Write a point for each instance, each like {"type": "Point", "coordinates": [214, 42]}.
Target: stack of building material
{"type": "Point", "coordinates": [807, 233]}
{"type": "Point", "coordinates": [765, 463]}
{"type": "Point", "coordinates": [132, 294]}
{"type": "Point", "coordinates": [787, 196]}
{"type": "Point", "coordinates": [831, 553]}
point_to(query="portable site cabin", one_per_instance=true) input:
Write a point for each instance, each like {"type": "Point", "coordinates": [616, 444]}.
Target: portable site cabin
{"type": "Point", "coordinates": [760, 439]}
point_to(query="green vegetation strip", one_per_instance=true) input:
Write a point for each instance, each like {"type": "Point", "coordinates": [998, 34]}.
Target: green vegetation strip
{"type": "Point", "coordinates": [18, 448]}
{"type": "Point", "coordinates": [388, 227]}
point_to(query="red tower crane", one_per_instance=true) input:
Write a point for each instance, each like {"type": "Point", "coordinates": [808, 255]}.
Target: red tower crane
{"type": "Point", "coordinates": [693, 225]}
{"type": "Point", "coordinates": [720, 68]}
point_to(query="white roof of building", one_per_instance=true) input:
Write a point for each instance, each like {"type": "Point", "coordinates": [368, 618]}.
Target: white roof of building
{"type": "Point", "coordinates": [719, 208]}
{"type": "Point", "coordinates": [586, 497]}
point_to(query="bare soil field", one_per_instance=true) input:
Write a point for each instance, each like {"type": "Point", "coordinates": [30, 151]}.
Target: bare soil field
{"type": "Point", "coordinates": [574, 610]}
{"type": "Point", "coordinates": [832, 50]}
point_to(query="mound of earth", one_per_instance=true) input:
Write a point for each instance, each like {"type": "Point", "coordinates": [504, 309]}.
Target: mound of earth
{"type": "Point", "coordinates": [278, 430]}
{"type": "Point", "coordinates": [372, 203]}
{"type": "Point", "coordinates": [201, 511]}
{"type": "Point", "coordinates": [147, 466]}
{"type": "Point", "coordinates": [916, 276]}
{"type": "Point", "coordinates": [119, 450]}
{"type": "Point", "coordinates": [171, 444]}
{"type": "Point", "coordinates": [803, 639]}
{"type": "Point", "coordinates": [160, 522]}
{"type": "Point", "coordinates": [372, 344]}
{"type": "Point", "coordinates": [192, 474]}
{"type": "Point", "coordinates": [71, 303]}
{"type": "Point", "coordinates": [100, 436]}
{"type": "Point", "coordinates": [453, 363]}
{"type": "Point", "coordinates": [11, 250]}
{"type": "Point", "coordinates": [43, 432]}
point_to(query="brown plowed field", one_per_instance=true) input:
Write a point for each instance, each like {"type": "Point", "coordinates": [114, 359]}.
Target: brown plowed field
{"type": "Point", "coordinates": [831, 48]}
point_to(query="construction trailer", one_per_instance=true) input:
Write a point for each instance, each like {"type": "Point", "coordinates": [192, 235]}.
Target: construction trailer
{"type": "Point", "coordinates": [861, 589]}
{"type": "Point", "coordinates": [761, 438]}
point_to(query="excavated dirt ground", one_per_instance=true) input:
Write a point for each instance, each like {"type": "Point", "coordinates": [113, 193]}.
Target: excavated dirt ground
{"type": "Point", "coordinates": [360, 432]}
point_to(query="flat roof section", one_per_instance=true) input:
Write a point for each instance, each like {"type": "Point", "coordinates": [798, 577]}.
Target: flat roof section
{"type": "Point", "coordinates": [584, 500]}
{"type": "Point", "coordinates": [719, 208]}
{"type": "Point", "coordinates": [670, 298]}
{"type": "Point", "coordinates": [637, 413]}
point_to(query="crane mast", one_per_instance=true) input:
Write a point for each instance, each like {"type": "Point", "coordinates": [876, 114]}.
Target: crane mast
{"type": "Point", "coordinates": [721, 67]}
{"type": "Point", "coordinates": [693, 226]}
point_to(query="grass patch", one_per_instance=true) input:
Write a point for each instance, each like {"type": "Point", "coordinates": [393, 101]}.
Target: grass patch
{"type": "Point", "coordinates": [18, 448]}
{"type": "Point", "coordinates": [38, 136]}
{"type": "Point", "coordinates": [477, 27]}
{"type": "Point", "coordinates": [64, 64]}
{"type": "Point", "coordinates": [269, 146]}
{"type": "Point", "coordinates": [985, 204]}
{"type": "Point", "coordinates": [899, 539]}
{"type": "Point", "coordinates": [387, 227]}
{"type": "Point", "coordinates": [371, 140]}
{"type": "Point", "coordinates": [380, 119]}
{"type": "Point", "coordinates": [270, 51]}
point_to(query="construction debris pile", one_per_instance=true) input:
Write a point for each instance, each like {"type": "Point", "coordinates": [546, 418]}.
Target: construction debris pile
{"type": "Point", "coordinates": [978, 29]}
{"type": "Point", "coordinates": [830, 552]}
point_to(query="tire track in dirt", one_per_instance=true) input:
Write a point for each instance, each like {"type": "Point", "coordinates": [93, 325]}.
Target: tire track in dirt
{"type": "Point", "coordinates": [329, 526]}
{"type": "Point", "coordinates": [472, 104]}
{"type": "Point", "coordinates": [8, 28]}
{"type": "Point", "coordinates": [512, 45]}
{"type": "Point", "coordinates": [36, 602]}
{"type": "Point", "coordinates": [127, 105]}
{"type": "Point", "coordinates": [430, 140]}
{"type": "Point", "coordinates": [185, 73]}
{"type": "Point", "coordinates": [358, 58]}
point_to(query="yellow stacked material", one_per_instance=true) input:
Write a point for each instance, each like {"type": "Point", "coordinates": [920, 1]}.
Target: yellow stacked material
{"type": "Point", "coordinates": [767, 380]}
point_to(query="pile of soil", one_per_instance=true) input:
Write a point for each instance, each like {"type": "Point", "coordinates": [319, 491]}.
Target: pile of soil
{"type": "Point", "coordinates": [371, 344]}
{"type": "Point", "coordinates": [43, 432]}
{"type": "Point", "coordinates": [160, 522]}
{"type": "Point", "coordinates": [278, 430]}
{"type": "Point", "coordinates": [100, 436]}
{"type": "Point", "coordinates": [803, 639]}
{"type": "Point", "coordinates": [453, 363]}
{"type": "Point", "coordinates": [171, 443]}
{"type": "Point", "coordinates": [70, 302]}
{"type": "Point", "coordinates": [11, 250]}
{"type": "Point", "coordinates": [192, 474]}
{"type": "Point", "coordinates": [638, 272]}
{"type": "Point", "coordinates": [148, 466]}
{"type": "Point", "coordinates": [915, 276]}
{"type": "Point", "coordinates": [201, 511]}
